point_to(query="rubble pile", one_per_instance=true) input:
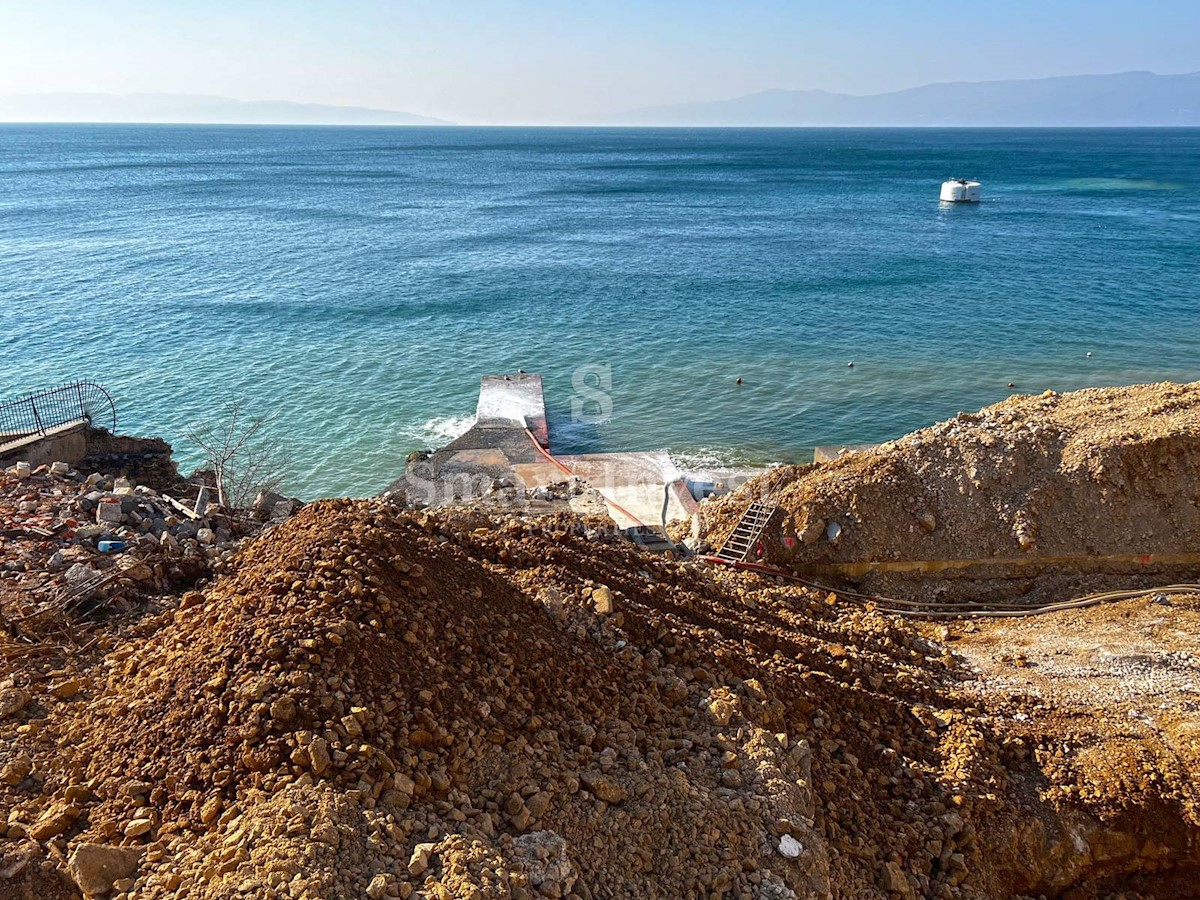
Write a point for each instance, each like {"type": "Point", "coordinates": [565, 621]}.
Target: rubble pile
{"type": "Point", "coordinates": [382, 703]}
{"type": "Point", "coordinates": [1103, 472]}
{"type": "Point", "coordinates": [376, 705]}
{"type": "Point", "coordinates": [146, 460]}
{"type": "Point", "coordinates": [368, 701]}
{"type": "Point", "coordinates": [76, 543]}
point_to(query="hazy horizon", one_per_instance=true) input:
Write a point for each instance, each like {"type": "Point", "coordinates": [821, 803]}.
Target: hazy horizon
{"type": "Point", "coordinates": [1130, 99]}
{"type": "Point", "coordinates": [533, 62]}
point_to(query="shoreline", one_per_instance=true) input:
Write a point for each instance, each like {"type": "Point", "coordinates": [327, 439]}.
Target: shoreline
{"type": "Point", "coordinates": [474, 700]}
{"type": "Point", "coordinates": [815, 250]}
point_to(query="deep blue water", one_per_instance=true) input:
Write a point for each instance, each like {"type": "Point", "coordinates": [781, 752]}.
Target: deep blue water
{"type": "Point", "coordinates": [357, 281]}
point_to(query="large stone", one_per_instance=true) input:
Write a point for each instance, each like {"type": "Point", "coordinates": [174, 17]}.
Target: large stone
{"type": "Point", "coordinates": [57, 819]}
{"type": "Point", "coordinates": [80, 574]}
{"type": "Point", "coordinates": [419, 861]}
{"type": "Point", "coordinates": [17, 770]}
{"type": "Point", "coordinates": [812, 531]}
{"type": "Point", "coordinates": [65, 690]}
{"type": "Point", "coordinates": [12, 701]}
{"type": "Point", "coordinates": [602, 600]}
{"type": "Point", "coordinates": [138, 827]}
{"type": "Point", "coordinates": [108, 512]}
{"type": "Point", "coordinates": [552, 599]}
{"type": "Point", "coordinates": [284, 709]}
{"type": "Point", "coordinates": [543, 855]}
{"type": "Point", "coordinates": [538, 804]}
{"type": "Point", "coordinates": [265, 503]}
{"type": "Point", "coordinates": [603, 787]}
{"type": "Point", "coordinates": [95, 867]}
{"type": "Point", "coordinates": [895, 882]}
{"type": "Point", "coordinates": [790, 847]}
{"type": "Point", "coordinates": [210, 810]}
{"type": "Point", "coordinates": [137, 570]}
{"type": "Point", "coordinates": [318, 752]}
{"type": "Point", "coordinates": [722, 710]}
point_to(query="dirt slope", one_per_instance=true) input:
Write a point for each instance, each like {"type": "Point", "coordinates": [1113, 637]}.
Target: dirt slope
{"type": "Point", "coordinates": [1094, 473]}
{"type": "Point", "coordinates": [378, 704]}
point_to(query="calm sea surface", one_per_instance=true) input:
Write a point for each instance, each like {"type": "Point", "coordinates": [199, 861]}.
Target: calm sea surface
{"type": "Point", "coordinates": [356, 282]}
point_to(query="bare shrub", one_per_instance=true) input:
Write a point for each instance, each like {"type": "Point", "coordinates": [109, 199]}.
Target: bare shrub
{"type": "Point", "coordinates": [244, 459]}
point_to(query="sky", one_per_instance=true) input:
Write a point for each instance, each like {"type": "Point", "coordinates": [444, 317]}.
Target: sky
{"type": "Point", "coordinates": [542, 62]}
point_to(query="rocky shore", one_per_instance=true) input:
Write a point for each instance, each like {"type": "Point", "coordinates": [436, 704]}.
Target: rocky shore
{"type": "Point", "coordinates": [367, 701]}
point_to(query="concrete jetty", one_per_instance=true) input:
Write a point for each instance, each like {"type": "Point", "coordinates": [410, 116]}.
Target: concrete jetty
{"type": "Point", "coordinates": [636, 486]}
{"type": "Point", "coordinates": [513, 401]}
{"type": "Point", "coordinates": [505, 458]}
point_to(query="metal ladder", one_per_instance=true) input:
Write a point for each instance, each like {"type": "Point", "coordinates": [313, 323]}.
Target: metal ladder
{"type": "Point", "coordinates": [746, 533]}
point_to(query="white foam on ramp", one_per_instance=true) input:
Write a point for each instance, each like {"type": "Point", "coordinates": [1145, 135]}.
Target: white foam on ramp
{"type": "Point", "coordinates": [515, 400]}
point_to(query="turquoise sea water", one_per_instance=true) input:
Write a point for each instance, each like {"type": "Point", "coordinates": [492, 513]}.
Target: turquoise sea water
{"type": "Point", "coordinates": [355, 282]}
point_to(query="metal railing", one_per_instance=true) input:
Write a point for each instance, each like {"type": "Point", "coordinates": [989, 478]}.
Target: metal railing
{"type": "Point", "coordinates": [43, 411]}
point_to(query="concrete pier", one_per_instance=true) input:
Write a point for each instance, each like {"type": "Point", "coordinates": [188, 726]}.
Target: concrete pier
{"type": "Point", "coordinates": [497, 462]}
{"type": "Point", "coordinates": [635, 485]}
{"type": "Point", "coordinates": [67, 442]}
{"type": "Point", "coordinates": [513, 401]}
{"type": "Point", "coordinates": [494, 455]}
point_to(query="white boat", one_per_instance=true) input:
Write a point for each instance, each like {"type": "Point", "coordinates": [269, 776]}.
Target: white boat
{"type": "Point", "coordinates": [959, 190]}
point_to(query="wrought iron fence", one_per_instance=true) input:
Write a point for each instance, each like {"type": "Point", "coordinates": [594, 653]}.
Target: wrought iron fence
{"type": "Point", "coordinates": [38, 413]}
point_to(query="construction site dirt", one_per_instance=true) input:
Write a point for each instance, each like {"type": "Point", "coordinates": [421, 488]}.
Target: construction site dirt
{"type": "Point", "coordinates": [471, 702]}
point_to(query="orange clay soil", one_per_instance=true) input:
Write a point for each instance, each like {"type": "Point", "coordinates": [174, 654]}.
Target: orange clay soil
{"type": "Point", "coordinates": [1036, 488]}
{"type": "Point", "coordinates": [387, 704]}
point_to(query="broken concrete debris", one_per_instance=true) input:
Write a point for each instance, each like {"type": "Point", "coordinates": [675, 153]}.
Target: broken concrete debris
{"type": "Point", "coordinates": [76, 540]}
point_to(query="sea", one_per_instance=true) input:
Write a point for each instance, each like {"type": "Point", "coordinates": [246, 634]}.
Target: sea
{"type": "Point", "coordinates": [351, 285]}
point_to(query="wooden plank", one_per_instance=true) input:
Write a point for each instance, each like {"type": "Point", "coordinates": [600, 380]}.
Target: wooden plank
{"type": "Point", "coordinates": [181, 507]}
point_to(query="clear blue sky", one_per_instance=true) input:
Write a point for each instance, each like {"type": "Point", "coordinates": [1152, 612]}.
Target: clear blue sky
{"type": "Point", "coordinates": [537, 61]}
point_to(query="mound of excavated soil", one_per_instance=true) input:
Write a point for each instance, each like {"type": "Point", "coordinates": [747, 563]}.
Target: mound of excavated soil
{"type": "Point", "coordinates": [354, 651]}
{"type": "Point", "coordinates": [1095, 473]}
{"type": "Point", "coordinates": [382, 704]}
{"type": "Point", "coordinates": [363, 702]}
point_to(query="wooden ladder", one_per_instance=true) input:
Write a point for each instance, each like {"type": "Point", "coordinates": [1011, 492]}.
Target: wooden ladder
{"type": "Point", "coordinates": [746, 533]}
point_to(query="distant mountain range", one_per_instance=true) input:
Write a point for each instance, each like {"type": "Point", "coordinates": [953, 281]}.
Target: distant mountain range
{"type": "Point", "coordinates": [1128, 98]}
{"type": "Point", "coordinates": [197, 109]}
